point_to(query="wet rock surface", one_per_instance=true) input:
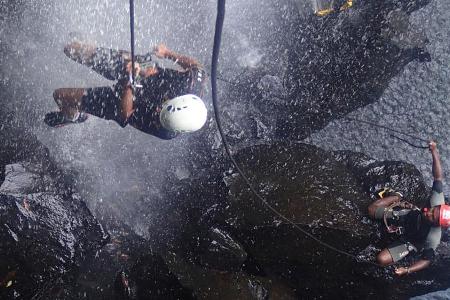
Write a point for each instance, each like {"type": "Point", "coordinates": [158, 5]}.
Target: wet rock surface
{"type": "Point", "coordinates": [215, 238]}
{"type": "Point", "coordinates": [325, 82]}
{"type": "Point", "coordinates": [318, 69]}
{"type": "Point", "coordinates": [46, 230]}
{"type": "Point", "coordinates": [325, 194]}
{"type": "Point", "coordinates": [220, 242]}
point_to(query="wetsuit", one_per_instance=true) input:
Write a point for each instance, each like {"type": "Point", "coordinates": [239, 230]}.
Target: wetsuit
{"type": "Point", "coordinates": [418, 234]}
{"type": "Point", "coordinates": [104, 102]}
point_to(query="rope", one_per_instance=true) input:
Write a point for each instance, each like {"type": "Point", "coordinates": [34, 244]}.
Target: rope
{"type": "Point", "coordinates": [132, 40]}
{"type": "Point", "coordinates": [391, 130]}
{"type": "Point", "coordinates": [215, 57]}
{"type": "Point", "coordinates": [407, 142]}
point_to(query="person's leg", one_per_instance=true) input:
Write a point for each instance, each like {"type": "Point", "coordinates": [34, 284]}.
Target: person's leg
{"type": "Point", "coordinates": [80, 52]}
{"type": "Point", "coordinates": [395, 252]}
{"type": "Point", "coordinates": [103, 102]}
{"type": "Point", "coordinates": [69, 100]}
{"type": "Point", "coordinates": [384, 258]}
{"type": "Point", "coordinates": [109, 63]}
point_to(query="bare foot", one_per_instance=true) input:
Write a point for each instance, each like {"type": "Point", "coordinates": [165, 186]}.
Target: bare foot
{"type": "Point", "coordinates": [78, 49]}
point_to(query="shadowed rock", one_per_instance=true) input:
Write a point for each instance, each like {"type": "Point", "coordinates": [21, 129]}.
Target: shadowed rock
{"type": "Point", "coordinates": [345, 61]}
{"type": "Point", "coordinates": [324, 193]}
{"type": "Point", "coordinates": [317, 69]}
{"type": "Point", "coordinates": [46, 231]}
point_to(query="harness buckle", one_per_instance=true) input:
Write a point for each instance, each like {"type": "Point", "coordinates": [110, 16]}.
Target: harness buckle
{"type": "Point", "coordinates": [400, 230]}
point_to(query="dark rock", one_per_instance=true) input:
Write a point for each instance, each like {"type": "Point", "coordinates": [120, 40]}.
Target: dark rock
{"type": "Point", "coordinates": [126, 268]}
{"type": "Point", "coordinates": [317, 69]}
{"type": "Point", "coordinates": [345, 61]}
{"type": "Point", "coordinates": [46, 229]}
{"type": "Point", "coordinates": [323, 193]}
{"type": "Point", "coordinates": [154, 280]}
{"type": "Point", "coordinates": [399, 176]}
{"type": "Point", "coordinates": [211, 284]}
{"type": "Point", "coordinates": [219, 250]}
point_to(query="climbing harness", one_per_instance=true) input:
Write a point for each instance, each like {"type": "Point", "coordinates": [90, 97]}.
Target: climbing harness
{"type": "Point", "coordinates": [215, 57]}
{"type": "Point", "coordinates": [395, 212]}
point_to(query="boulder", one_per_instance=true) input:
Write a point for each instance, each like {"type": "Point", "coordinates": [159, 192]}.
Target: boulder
{"type": "Point", "coordinates": [317, 69]}
{"type": "Point", "coordinates": [46, 229]}
{"type": "Point", "coordinates": [345, 60]}
{"type": "Point", "coordinates": [314, 192]}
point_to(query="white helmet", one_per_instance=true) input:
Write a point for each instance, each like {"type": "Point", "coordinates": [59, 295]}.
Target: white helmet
{"type": "Point", "coordinates": [185, 113]}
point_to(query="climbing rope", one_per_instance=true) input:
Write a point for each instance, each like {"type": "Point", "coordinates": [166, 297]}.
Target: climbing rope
{"type": "Point", "coordinates": [393, 130]}
{"type": "Point", "coordinates": [132, 40]}
{"type": "Point", "coordinates": [215, 57]}
{"type": "Point", "coordinates": [408, 142]}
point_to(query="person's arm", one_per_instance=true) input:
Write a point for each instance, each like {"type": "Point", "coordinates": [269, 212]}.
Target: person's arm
{"type": "Point", "coordinates": [126, 102]}
{"type": "Point", "coordinates": [148, 72]}
{"type": "Point", "coordinates": [387, 201]}
{"type": "Point", "coordinates": [383, 202]}
{"type": "Point", "coordinates": [437, 169]}
{"type": "Point", "coordinates": [126, 98]}
{"type": "Point", "coordinates": [186, 62]}
{"type": "Point", "coordinates": [415, 267]}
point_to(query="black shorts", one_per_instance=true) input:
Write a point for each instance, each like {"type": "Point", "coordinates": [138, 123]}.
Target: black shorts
{"type": "Point", "coordinates": [102, 102]}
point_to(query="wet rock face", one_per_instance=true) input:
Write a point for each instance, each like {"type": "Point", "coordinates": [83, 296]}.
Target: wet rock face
{"type": "Point", "coordinates": [309, 187]}
{"type": "Point", "coordinates": [374, 175]}
{"type": "Point", "coordinates": [154, 280]}
{"type": "Point", "coordinates": [45, 229]}
{"type": "Point", "coordinates": [2, 174]}
{"type": "Point", "coordinates": [324, 193]}
{"type": "Point", "coordinates": [345, 61]}
{"type": "Point", "coordinates": [317, 69]}
{"type": "Point", "coordinates": [220, 250]}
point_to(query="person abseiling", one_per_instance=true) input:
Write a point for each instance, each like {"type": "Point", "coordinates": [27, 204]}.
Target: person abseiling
{"type": "Point", "coordinates": [419, 230]}
{"type": "Point", "coordinates": [166, 103]}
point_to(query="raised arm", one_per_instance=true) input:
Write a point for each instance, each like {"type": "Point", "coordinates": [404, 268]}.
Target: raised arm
{"type": "Point", "coordinates": [186, 62]}
{"type": "Point", "coordinates": [437, 169]}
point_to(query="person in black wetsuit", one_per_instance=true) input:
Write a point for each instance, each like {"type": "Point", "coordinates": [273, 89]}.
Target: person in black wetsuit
{"type": "Point", "coordinates": [167, 103]}
{"type": "Point", "coordinates": [420, 230]}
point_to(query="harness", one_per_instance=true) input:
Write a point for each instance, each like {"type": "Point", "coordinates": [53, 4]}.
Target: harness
{"type": "Point", "coordinates": [396, 212]}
